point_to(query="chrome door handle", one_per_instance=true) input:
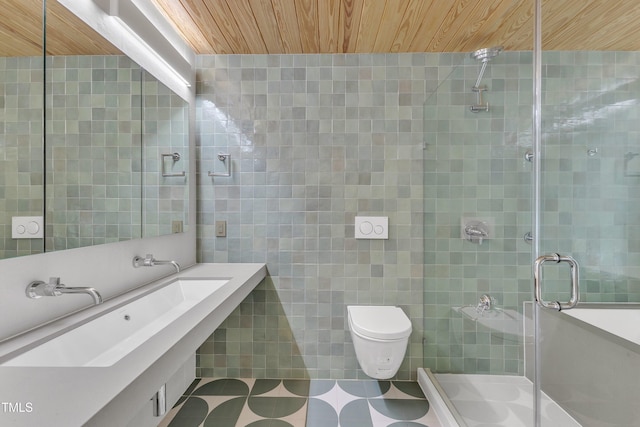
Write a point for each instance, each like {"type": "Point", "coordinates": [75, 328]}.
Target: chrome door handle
{"type": "Point", "coordinates": [575, 280]}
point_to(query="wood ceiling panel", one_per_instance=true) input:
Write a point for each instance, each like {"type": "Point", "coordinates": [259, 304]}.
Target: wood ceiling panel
{"type": "Point", "coordinates": [21, 31]}
{"type": "Point", "coordinates": [390, 23]}
{"type": "Point", "coordinates": [612, 25]}
{"type": "Point", "coordinates": [430, 26]}
{"type": "Point", "coordinates": [484, 24]}
{"type": "Point", "coordinates": [372, 12]}
{"type": "Point", "coordinates": [243, 15]}
{"type": "Point", "coordinates": [350, 17]}
{"type": "Point", "coordinates": [514, 31]}
{"type": "Point", "coordinates": [414, 16]}
{"type": "Point", "coordinates": [267, 25]}
{"type": "Point", "coordinates": [517, 32]}
{"type": "Point", "coordinates": [287, 19]}
{"type": "Point", "coordinates": [21, 28]}
{"type": "Point", "coordinates": [330, 26]}
{"type": "Point", "coordinates": [69, 35]}
{"type": "Point", "coordinates": [459, 16]}
{"type": "Point", "coordinates": [307, 13]}
{"type": "Point", "coordinates": [328, 22]}
{"type": "Point", "coordinates": [188, 22]}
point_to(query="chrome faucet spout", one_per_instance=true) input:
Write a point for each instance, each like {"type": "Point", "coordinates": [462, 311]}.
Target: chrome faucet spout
{"type": "Point", "coordinates": [97, 298]}
{"type": "Point", "coordinates": [175, 264]}
{"type": "Point", "coordinates": [54, 288]}
{"type": "Point", "coordinates": [150, 261]}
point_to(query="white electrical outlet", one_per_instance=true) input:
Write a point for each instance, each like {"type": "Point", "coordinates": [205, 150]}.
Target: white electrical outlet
{"type": "Point", "coordinates": [221, 228]}
{"type": "Point", "coordinates": [372, 227]}
{"type": "Point", "coordinates": [27, 227]}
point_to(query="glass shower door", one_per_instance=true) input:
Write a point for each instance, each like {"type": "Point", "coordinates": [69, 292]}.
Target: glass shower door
{"type": "Point", "coordinates": [587, 204]}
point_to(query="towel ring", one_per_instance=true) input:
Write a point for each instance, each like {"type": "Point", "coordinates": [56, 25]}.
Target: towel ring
{"type": "Point", "coordinates": [223, 158]}
{"type": "Point", "coordinates": [175, 157]}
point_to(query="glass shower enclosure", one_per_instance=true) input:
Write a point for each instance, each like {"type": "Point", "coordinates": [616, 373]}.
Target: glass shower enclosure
{"type": "Point", "coordinates": [586, 194]}
{"type": "Point", "coordinates": [551, 168]}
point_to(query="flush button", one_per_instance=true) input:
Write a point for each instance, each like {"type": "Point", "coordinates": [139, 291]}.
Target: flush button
{"type": "Point", "coordinates": [371, 227]}
{"type": "Point", "coordinates": [27, 227]}
{"type": "Point", "coordinates": [32, 228]}
{"type": "Point", "coordinates": [366, 228]}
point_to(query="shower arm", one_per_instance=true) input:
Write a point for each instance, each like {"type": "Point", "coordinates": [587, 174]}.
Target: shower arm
{"type": "Point", "coordinates": [482, 70]}
{"type": "Point", "coordinates": [480, 104]}
{"type": "Point", "coordinates": [485, 55]}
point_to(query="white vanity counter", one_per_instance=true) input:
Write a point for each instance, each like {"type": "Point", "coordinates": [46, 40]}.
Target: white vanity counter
{"type": "Point", "coordinates": [111, 395]}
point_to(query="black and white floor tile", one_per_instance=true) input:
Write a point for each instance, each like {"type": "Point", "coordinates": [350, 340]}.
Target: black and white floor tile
{"type": "Point", "coordinates": [300, 403]}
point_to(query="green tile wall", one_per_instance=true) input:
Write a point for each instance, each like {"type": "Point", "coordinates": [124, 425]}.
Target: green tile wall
{"type": "Point", "coordinates": [475, 167]}
{"type": "Point", "coordinates": [318, 138]}
{"type": "Point", "coordinates": [21, 149]}
{"type": "Point", "coordinates": [94, 151]}
{"type": "Point", "coordinates": [591, 171]}
{"type": "Point", "coordinates": [165, 121]}
{"type": "Point", "coordinates": [315, 140]}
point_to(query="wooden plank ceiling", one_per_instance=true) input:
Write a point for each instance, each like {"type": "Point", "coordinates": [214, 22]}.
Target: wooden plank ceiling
{"type": "Point", "coordinates": [343, 26]}
{"type": "Point", "coordinates": [21, 31]}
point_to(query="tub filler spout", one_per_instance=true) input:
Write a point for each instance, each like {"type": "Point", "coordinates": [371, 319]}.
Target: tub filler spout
{"type": "Point", "coordinates": [54, 288]}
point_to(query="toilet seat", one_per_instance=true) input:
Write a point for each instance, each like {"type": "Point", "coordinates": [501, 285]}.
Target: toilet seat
{"type": "Point", "coordinates": [379, 322]}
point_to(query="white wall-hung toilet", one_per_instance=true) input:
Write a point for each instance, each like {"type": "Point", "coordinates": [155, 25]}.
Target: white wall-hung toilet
{"type": "Point", "coordinates": [380, 335]}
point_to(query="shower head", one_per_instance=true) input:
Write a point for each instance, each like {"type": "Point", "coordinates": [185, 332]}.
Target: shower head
{"type": "Point", "coordinates": [486, 54]}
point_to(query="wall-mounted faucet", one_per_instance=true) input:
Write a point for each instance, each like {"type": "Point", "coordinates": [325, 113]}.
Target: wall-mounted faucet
{"type": "Point", "coordinates": [486, 303]}
{"type": "Point", "coordinates": [54, 288]}
{"type": "Point", "coordinates": [476, 230]}
{"type": "Point", "coordinates": [150, 261]}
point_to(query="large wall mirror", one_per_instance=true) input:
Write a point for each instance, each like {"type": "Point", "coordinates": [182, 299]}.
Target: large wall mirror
{"type": "Point", "coordinates": [21, 122]}
{"type": "Point", "coordinates": [112, 164]}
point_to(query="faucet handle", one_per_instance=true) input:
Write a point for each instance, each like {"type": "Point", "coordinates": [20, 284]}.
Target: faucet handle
{"type": "Point", "coordinates": [147, 261]}
{"type": "Point", "coordinates": [38, 288]}
{"type": "Point", "coordinates": [52, 287]}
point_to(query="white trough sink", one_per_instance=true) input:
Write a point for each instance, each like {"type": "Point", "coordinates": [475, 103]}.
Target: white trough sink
{"type": "Point", "coordinates": [105, 340]}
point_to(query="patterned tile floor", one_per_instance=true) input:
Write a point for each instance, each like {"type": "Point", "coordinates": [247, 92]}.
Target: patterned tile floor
{"type": "Point", "coordinates": [299, 403]}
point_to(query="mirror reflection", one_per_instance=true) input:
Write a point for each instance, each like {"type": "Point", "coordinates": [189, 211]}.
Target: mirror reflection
{"type": "Point", "coordinates": [93, 142]}
{"type": "Point", "coordinates": [96, 131]}
{"type": "Point", "coordinates": [21, 88]}
{"type": "Point", "coordinates": [93, 150]}
{"type": "Point", "coordinates": [165, 140]}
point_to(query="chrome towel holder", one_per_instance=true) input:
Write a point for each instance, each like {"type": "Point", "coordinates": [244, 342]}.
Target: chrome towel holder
{"type": "Point", "coordinates": [223, 158]}
{"type": "Point", "coordinates": [175, 157]}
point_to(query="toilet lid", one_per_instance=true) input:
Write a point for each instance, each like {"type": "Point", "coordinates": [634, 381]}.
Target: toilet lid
{"type": "Point", "coordinates": [381, 322]}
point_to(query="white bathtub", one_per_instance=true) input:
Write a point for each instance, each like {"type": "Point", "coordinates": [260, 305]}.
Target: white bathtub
{"type": "Point", "coordinates": [621, 322]}
{"type": "Point", "coordinates": [107, 339]}
{"type": "Point", "coordinates": [591, 362]}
